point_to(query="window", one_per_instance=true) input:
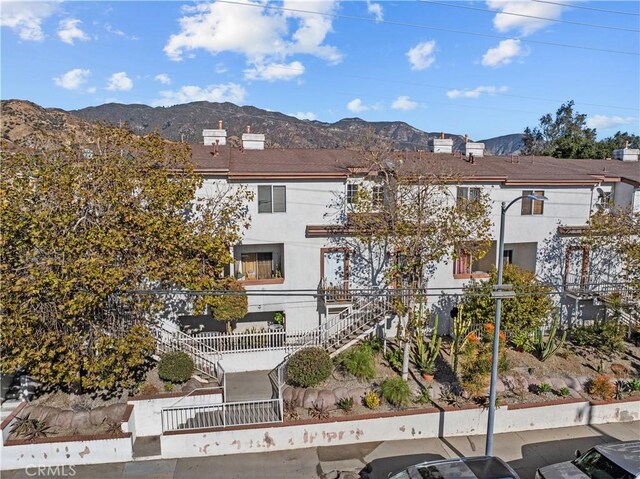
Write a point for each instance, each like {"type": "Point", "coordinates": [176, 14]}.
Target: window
{"type": "Point", "coordinates": [377, 196]}
{"type": "Point", "coordinates": [272, 199]}
{"type": "Point", "coordinates": [462, 264]}
{"type": "Point", "coordinates": [467, 195]}
{"type": "Point", "coordinates": [352, 191]}
{"type": "Point", "coordinates": [507, 256]}
{"type": "Point", "coordinates": [532, 207]}
{"type": "Point", "coordinates": [255, 266]}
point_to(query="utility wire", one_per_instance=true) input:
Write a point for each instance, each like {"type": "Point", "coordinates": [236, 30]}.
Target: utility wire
{"type": "Point", "coordinates": [500, 12]}
{"type": "Point", "coordinates": [618, 12]}
{"type": "Point", "coordinates": [441, 87]}
{"type": "Point", "coordinates": [427, 27]}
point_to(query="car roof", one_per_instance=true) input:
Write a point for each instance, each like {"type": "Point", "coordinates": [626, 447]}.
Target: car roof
{"type": "Point", "coordinates": [480, 467]}
{"type": "Point", "coordinates": [624, 454]}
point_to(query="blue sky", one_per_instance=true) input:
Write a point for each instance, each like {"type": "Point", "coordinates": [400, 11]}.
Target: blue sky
{"type": "Point", "coordinates": [326, 60]}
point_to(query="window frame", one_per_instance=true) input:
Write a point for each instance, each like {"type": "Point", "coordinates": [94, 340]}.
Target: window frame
{"type": "Point", "coordinates": [529, 207]}
{"type": "Point", "coordinates": [352, 192]}
{"type": "Point", "coordinates": [273, 206]}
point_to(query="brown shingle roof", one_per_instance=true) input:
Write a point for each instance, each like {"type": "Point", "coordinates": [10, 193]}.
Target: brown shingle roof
{"type": "Point", "coordinates": [327, 163]}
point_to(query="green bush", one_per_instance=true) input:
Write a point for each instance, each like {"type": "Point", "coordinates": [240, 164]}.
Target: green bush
{"type": "Point", "coordinates": [395, 391]}
{"type": "Point", "coordinates": [309, 367]}
{"type": "Point", "coordinates": [606, 335]}
{"type": "Point", "coordinates": [175, 367]}
{"type": "Point", "coordinates": [359, 362]}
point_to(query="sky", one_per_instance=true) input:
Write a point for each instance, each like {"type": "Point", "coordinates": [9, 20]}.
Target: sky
{"type": "Point", "coordinates": [479, 68]}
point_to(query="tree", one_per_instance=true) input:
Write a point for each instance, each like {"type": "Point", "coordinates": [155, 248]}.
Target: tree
{"type": "Point", "coordinates": [620, 140]}
{"type": "Point", "coordinates": [528, 311]}
{"type": "Point", "coordinates": [82, 228]}
{"type": "Point", "coordinates": [564, 136]}
{"type": "Point", "coordinates": [410, 218]}
{"type": "Point", "coordinates": [617, 232]}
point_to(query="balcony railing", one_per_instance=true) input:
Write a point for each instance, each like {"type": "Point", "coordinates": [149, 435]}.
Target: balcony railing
{"type": "Point", "coordinates": [602, 287]}
{"type": "Point", "coordinates": [331, 293]}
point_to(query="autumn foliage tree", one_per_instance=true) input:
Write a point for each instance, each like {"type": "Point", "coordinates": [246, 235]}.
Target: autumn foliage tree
{"type": "Point", "coordinates": [81, 229]}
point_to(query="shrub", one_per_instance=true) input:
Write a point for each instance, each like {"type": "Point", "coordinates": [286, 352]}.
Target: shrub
{"type": "Point", "coordinates": [345, 404]}
{"type": "Point", "coordinates": [450, 397]}
{"type": "Point", "coordinates": [633, 384]}
{"type": "Point", "coordinates": [175, 367]}
{"type": "Point", "coordinates": [359, 362]}
{"type": "Point", "coordinates": [564, 392]}
{"type": "Point", "coordinates": [309, 367]}
{"type": "Point", "coordinates": [606, 335]}
{"type": "Point", "coordinates": [149, 390]}
{"type": "Point", "coordinates": [319, 411]}
{"type": "Point", "coordinates": [395, 391]}
{"type": "Point", "coordinates": [30, 428]}
{"type": "Point", "coordinates": [544, 388]}
{"type": "Point", "coordinates": [371, 400]}
{"type": "Point", "coordinates": [394, 358]}
{"type": "Point", "coordinates": [424, 397]}
{"type": "Point", "coordinates": [168, 387]}
{"type": "Point", "coordinates": [602, 387]}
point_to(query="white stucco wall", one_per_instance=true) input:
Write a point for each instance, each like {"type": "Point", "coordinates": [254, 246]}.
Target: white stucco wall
{"type": "Point", "coordinates": [147, 416]}
{"type": "Point", "coordinates": [458, 422]}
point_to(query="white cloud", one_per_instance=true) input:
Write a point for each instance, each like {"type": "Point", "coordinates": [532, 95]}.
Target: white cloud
{"type": "Point", "coordinates": [263, 36]}
{"type": "Point", "coordinates": [25, 18]}
{"type": "Point", "coordinates": [604, 121]}
{"type": "Point", "coordinates": [274, 71]}
{"type": "Point", "coordinates": [114, 30]}
{"type": "Point", "coordinates": [356, 106]}
{"type": "Point", "coordinates": [163, 78]}
{"type": "Point", "coordinates": [119, 82]}
{"type": "Point", "coordinates": [304, 115]}
{"type": "Point", "coordinates": [218, 93]}
{"type": "Point", "coordinates": [422, 55]}
{"type": "Point", "coordinates": [68, 31]}
{"type": "Point", "coordinates": [503, 54]}
{"type": "Point", "coordinates": [525, 24]}
{"type": "Point", "coordinates": [403, 103]}
{"type": "Point", "coordinates": [73, 79]}
{"type": "Point", "coordinates": [220, 68]}
{"type": "Point", "coordinates": [376, 10]}
{"type": "Point", "coordinates": [476, 92]}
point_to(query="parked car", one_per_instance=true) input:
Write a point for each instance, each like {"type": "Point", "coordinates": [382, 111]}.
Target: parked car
{"type": "Point", "coordinates": [481, 467]}
{"type": "Point", "coordinates": [606, 461]}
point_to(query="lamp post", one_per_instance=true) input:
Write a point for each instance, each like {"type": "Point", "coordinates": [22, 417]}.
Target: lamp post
{"type": "Point", "coordinates": [499, 293]}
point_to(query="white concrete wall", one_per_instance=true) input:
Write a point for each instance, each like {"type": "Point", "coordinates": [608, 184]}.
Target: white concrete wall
{"type": "Point", "coordinates": [250, 361]}
{"type": "Point", "coordinates": [147, 412]}
{"type": "Point", "coordinates": [624, 194]}
{"type": "Point", "coordinates": [459, 422]}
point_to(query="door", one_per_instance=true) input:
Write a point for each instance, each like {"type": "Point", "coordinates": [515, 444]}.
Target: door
{"type": "Point", "coordinates": [335, 273]}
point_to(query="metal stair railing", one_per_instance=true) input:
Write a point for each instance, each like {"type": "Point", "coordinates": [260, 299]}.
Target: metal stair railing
{"type": "Point", "coordinates": [205, 358]}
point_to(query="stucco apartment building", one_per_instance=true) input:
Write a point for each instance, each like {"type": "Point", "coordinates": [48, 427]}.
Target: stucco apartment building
{"type": "Point", "coordinates": [298, 215]}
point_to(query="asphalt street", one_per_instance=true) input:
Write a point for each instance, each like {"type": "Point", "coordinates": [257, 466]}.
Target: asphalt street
{"type": "Point", "coordinates": [524, 451]}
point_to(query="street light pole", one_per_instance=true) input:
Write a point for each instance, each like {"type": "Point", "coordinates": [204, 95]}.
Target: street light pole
{"type": "Point", "coordinates": [499, 294]}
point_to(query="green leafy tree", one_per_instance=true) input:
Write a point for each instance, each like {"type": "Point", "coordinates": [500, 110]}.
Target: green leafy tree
{"type": "Point", "coordinates": [564, 135]}
{"type": "Point", "coordinates": [525, 312]}
{"type": "Point", "coordinates": [81, 229]}
{"type": "Point", "coordinates": [617, 232]}
{"type": "Point", "coordinates": [619, 140]}
{"type": "Point", "coordinates": [413, 219]}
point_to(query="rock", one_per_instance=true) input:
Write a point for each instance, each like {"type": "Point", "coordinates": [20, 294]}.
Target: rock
{"type": "Point", "coordinates": [62, 420]}
{"type": "Point", "coordinates": [191, 385]}
{"type": "Point", "coordinates": [340, 393]}
{"type": "Point", "coordinates": [574, 394]}
{"type": "Point", "coordinates": [558, 383]}
{"type": "Point", "coordinates": [326, 398]}
{"type": "Point", "coordinates": [298, 396]}
{"type": "Point", "coordinates": [357, 394]}
{"type": "Point", "coordinates": [500, 388]}
{"type": "Point", "coordinates": [98, 415]}
{"type": "Point", "coordinates": [287, 394]}
{"type": "Point", "coordinates": [115, 412]}
{"type": "Point", "coordinates": [619, 370]}
{"type": "Point", "coordinates": [81, 420]}
{"type": "Point", "coordinates": [435, 391]}
{"type": "Point", "coordinates": [573, 383]}
{"type": "Point", "coordinates": [310, 397]}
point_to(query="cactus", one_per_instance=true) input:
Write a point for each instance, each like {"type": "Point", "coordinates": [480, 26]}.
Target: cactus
{"type": "Point", "coordinates": [547, 348]}
{"type": "Point", "coordinates": [460, 336]}
{"type": "Point", "coordinates": [425, 354]}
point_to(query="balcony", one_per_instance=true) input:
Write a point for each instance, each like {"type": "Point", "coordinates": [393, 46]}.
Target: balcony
{"type": "Point", "coordinates": [334, 293]}
{"type": "Point", "coordinates": [602, 287]}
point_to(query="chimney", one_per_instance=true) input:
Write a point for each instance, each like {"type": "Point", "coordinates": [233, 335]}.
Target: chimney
{"type": "Point", "coordinates": [475, 149]}
{"type": "Point", "coordinates": [252, 141]}
{"type": "Point", "coordinates": [466, 138]}
{"type": "Point", "coordinates": [441, 145]}
{"type": "Point", "coordinates": [218, 136]}
{"type": "Point", "coordinates": [626, 154]}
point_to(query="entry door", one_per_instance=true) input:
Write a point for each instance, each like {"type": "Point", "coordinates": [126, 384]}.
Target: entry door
{"type": "Point", "coordinates": [335, 269]}
{"type": "Point", "coordinates": [577, 266]}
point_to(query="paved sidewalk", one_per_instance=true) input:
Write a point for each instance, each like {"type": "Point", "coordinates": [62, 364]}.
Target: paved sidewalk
{"type": "Point", "coordinates": [525, 451]}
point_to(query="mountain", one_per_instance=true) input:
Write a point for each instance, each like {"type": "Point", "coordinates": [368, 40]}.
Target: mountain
{"type": "Point", "coordinates": [27, 124]}
{"type": "Point", "coordinates": [186, 122]}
